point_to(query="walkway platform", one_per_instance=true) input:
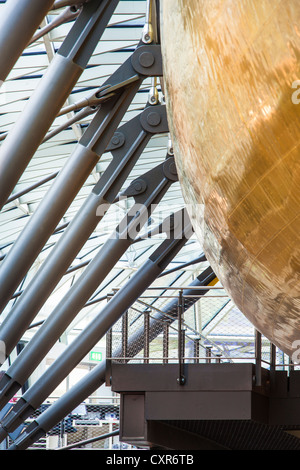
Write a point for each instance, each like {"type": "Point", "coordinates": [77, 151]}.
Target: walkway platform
{"type": "Point", "coordinates": [219, 406]}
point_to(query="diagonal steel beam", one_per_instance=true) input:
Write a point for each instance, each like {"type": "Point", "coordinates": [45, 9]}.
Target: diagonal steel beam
{"type": "Point", "coordinates": [95, 379]}
{"type": "Point", "coordinates": [18, 23]}
{"type": "Point", "coordinates": [115, 308]}
{"type": "Point", "coordinates": [147, 192]}
{"type": "Point", "coordinates": [120, 89]}
{"type": "Point", "coordinates": [126, 147]}
{"type": "Point", "coordinates": [54, 88]}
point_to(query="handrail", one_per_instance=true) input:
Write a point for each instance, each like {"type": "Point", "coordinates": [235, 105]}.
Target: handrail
{"type": "Point", "coordinates": [184, 333]}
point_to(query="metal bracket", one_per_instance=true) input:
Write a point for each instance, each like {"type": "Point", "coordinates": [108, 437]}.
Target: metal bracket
{"type": "Point", "coordinates": [148, 33]}
{"type": "Point", "coordinates": [147, 191]}
{"type": "Point", "coordinates": [152, 182]}
{"type": "Point", "coordinates": [152, 120]}
{"type": "Point", "coordinates": [145, 61]}
{"type": "Point", "coordinates": [171, 225]}
{"type": "Point", "coordinates": [126, 146]}
{"type": "Point", "coordinates": [122, 78]}
{"type": "Point", "coordinates": [120, 88]}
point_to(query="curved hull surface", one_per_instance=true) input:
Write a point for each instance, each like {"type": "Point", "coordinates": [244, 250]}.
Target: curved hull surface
{"type": "Point", "coordinates": [232, 84]}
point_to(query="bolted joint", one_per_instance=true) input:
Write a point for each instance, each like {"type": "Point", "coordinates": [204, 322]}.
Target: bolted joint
{"type": "Point", "coordinates": [117, 141]}
{"type": "Point", "coordinates": [137, 186]}
{"type": "Point", "coordinates": [154, 119]}
{"type": "Point", "coordinates": [153, 98]}
{"type": "Point", "coordinates": [181, 380]}
{"type": "Point", "coordinates": [170, 169]}
{"type": "Point", "coordinates": [147, 36]}
{"type": "Point", "coordinates": [147, 60]}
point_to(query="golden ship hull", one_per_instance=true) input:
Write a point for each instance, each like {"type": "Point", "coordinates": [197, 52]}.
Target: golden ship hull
{"type": "Point", "coordinates": [232, 86]}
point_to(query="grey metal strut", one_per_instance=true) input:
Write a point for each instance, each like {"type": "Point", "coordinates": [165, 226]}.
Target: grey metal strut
{"type": "Point", "coordinates": [55, 86]}
{"type": "Point", "coordinates": [123, 84]}
{"type": "Point", "coordinates": [126, 147]}
{"type": "Point", "coordinates": [23, 17]}
{"type": "Point", "coordinates": [115, 308]}
{"type": "Point", "coordinates": [147, 192]}
{"type": "Point", "coordinates": [96, 378]}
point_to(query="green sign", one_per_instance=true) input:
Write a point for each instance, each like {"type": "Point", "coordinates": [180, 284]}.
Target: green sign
{"type": "Point", "coordinates": [96, 356]}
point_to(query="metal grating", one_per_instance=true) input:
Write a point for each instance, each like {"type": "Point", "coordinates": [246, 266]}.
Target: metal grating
{"type": "Point", "coordinates": [241, 435]}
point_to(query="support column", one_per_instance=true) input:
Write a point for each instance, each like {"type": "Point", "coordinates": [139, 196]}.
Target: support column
{"type": "Point", "coordinates": [18, 22]}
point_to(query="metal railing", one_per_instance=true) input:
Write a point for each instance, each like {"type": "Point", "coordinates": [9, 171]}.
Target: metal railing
{"type": "Point", "coordinates": [160, 328]}
{"type": "Point", "coordinates": [167, 325]}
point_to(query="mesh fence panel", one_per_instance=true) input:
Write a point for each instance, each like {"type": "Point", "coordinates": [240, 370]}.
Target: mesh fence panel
{"type": "Point", "coordinates": [214, 329]}
{"type": "Point", "coordinates": [94, 420]}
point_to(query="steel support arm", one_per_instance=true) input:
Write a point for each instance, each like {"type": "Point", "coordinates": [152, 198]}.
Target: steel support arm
{"type": "Point", "coordinates": [126, 147]}
{"type": "Point", "coordinates": [96, 378]}
{"type": "Point", "coordinates": [69, 14]}
{"type": "Point", "coordinates": [115, 308]}
{"type": "Point", "coordinates": [54, 88]}
{"type": "Point", "coordinates": [18, 23]}
{"type": "Point", "coordinates": [121, 87]}
{"type": "Point", "coordinates": [147, 192]}
{"type": "Point", "coordinates": [65, 3]}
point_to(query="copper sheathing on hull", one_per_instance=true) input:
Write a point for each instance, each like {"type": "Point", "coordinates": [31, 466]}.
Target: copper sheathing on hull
{"type": "Point", "coordinates": [232, 81]}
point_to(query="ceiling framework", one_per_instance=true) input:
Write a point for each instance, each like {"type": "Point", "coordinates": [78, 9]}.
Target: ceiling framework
{"type": "Point", "coordinates": [118, 42]}
{"type": "Point", "coordinates": [83, 126]}
{"type": "Point", "coordinates": [36, 218]}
